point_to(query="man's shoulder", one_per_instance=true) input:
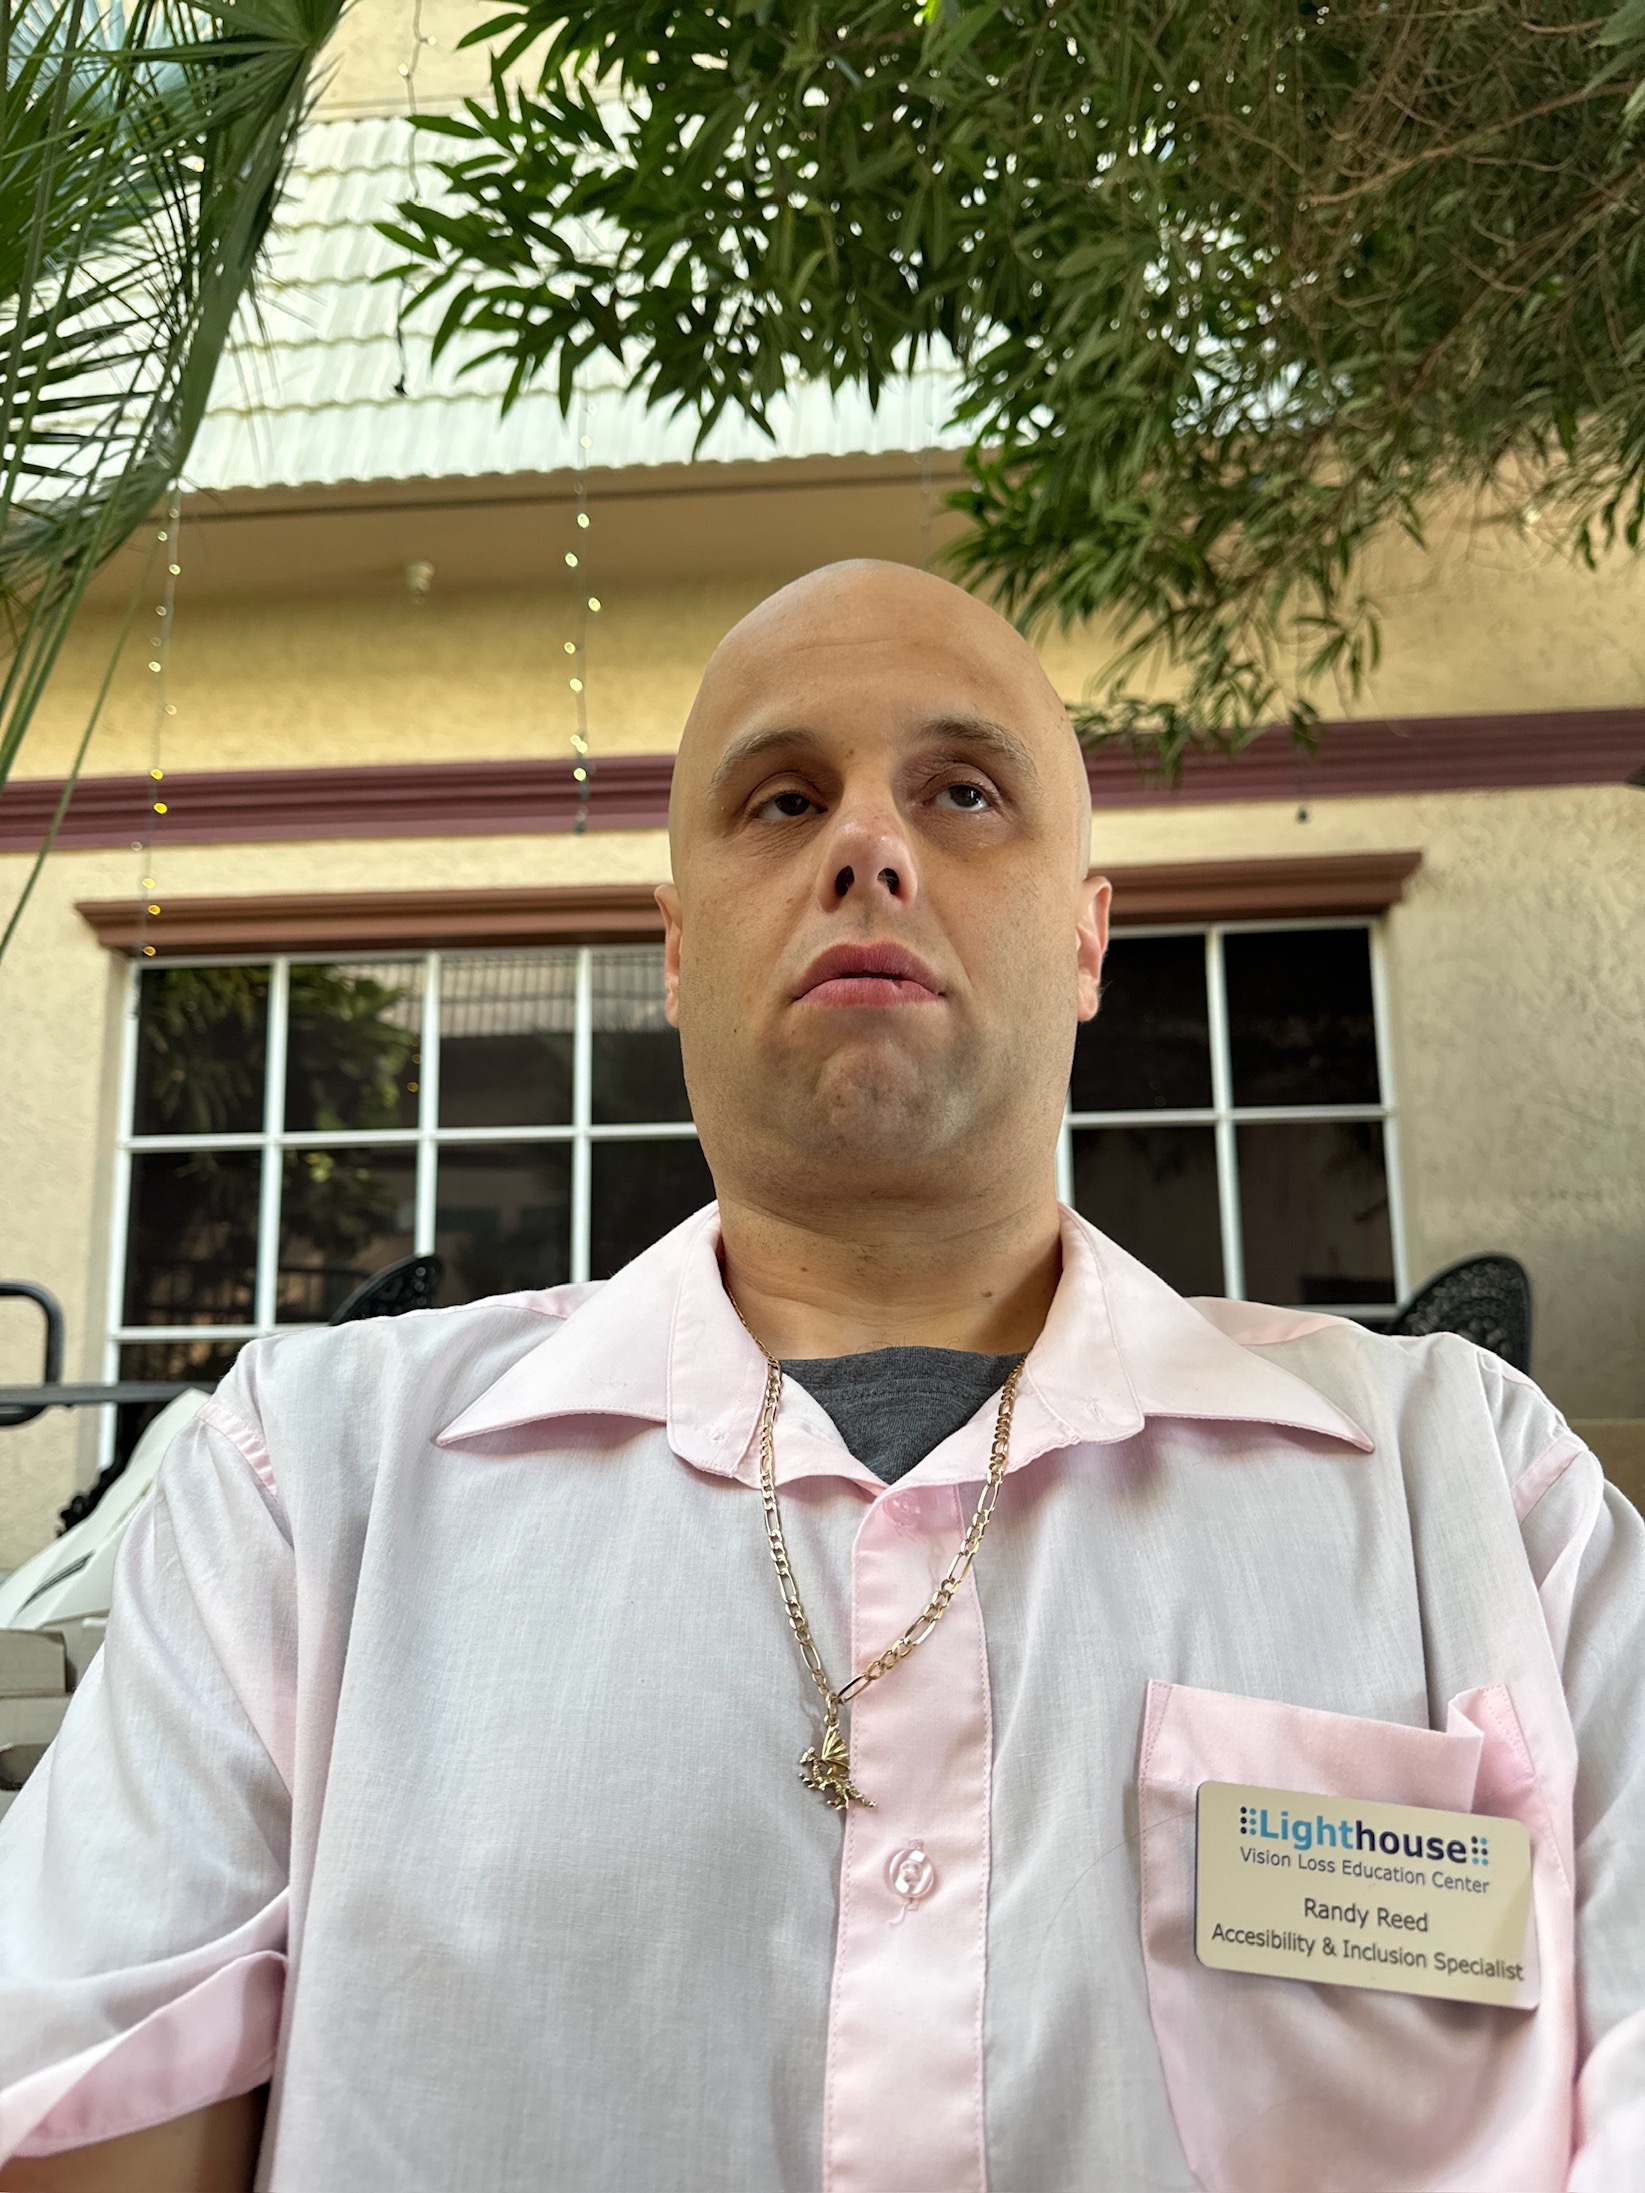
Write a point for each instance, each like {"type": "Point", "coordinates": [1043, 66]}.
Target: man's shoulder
{"type": "Point", "coordinates": [1415, 1392]}
{"type": "Point", "coordinates": [383, 1381]}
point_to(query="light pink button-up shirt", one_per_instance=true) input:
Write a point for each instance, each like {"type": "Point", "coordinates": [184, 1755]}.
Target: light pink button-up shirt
{"type": "Point", "coordinates": [441, 1763]}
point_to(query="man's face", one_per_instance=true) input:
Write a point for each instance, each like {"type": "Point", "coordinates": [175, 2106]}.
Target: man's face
{"type": "Point", "coordinates": [880, 934]}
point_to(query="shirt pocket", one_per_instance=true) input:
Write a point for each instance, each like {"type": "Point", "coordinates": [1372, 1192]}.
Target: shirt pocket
{"type": "Point", "coordinates": [1278, 2086]}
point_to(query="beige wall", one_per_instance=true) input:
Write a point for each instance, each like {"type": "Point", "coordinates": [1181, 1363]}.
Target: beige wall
{"type": "Point", "coordinates": [374, 677]}
{"type": "Point", "coordinates": [290, 651]}
{"type": "Point", "coordinates": [376, 38]}
{"type": "Point", "coordinates": [1517, 997]}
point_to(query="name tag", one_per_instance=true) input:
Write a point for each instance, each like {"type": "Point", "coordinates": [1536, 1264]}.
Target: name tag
{"type": "Point", "coordinates": [1349, 1894]}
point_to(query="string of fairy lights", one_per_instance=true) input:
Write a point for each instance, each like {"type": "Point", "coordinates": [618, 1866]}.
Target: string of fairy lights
{"type": "Point", "coordinates": [408, 76]}
{"type": "Point", "coordinates": [419, 575]}
{"type": "Point", "coordinates": [586, 605]}
{"type": "Point", "coordinates": [169, 539]}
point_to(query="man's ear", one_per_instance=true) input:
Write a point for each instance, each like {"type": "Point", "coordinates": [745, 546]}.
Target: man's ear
{"type": "Point", "coordinates": [668, 900]}
{"type": "Point", "coordinates": [1091, 928]}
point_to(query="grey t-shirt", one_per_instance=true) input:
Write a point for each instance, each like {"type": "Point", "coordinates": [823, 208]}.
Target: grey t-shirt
{"type": "Point", "coordinates": [893, 1405]}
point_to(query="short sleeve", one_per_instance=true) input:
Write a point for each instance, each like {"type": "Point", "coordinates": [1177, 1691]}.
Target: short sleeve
{"type": "Point", "coordinates": [144, 1866]}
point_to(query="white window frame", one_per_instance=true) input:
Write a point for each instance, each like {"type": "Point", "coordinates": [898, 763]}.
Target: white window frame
{"type": "Point", "coordinates": [582, 1132]}
{"type": "Point", "coordinates": [1224, 1116]}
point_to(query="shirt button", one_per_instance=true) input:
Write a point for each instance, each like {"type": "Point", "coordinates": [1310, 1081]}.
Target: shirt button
{"type": "Point", "coordinates": [910, 1875]}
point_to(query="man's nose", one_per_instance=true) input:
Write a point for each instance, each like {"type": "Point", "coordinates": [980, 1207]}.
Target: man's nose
{"type": "Point", "coordinates": [867, 857]}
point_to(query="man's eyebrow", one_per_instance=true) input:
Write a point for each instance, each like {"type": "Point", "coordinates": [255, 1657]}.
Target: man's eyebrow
{"type": "Point", "coordinates": [755, 743]}
{"type": "Point", "coordinates": [973, 731]}
{"type": "Point", "coordinates": [984, 732]}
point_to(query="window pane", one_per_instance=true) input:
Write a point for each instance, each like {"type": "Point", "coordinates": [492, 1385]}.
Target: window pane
{"type": "Point", "coordinates": [344, 1214]}
{"type": "Point", "coordinates": [1154, 1190]}
{"type": "Point", "coordinates": [207, 1360]}
{"type": "Point", "coordinates": [201, 1033]}
{"type": "Point", "coordinates": [1149, 1047]}
{"type": "Point", "coordinates": [352, 1056]}
{"type": "Point", "coordinates": [1314, 1204]}
{"type": "Point", "coordinates": [503, 1219]}
{"type": "Point", "coordinates": [506, 1022]}
{"type": "Point", "coordinates": [641, 1189]}
{"type": "Point", "coordinates": [637, 1073]}
{"type": "Point", "coordinates": [191, 1247]}
{"type": "Point", "coordinates": [1301, 1026]}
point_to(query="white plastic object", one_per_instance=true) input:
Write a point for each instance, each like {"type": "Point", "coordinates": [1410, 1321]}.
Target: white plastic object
{"type": "Point", "coordinates": [67, 1584]}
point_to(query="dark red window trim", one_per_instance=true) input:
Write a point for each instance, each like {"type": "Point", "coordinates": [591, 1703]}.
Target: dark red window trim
{"type": "Point", "coordinates": [1319, 886]}
{"type": "Point", "coordinates": [630, 791]}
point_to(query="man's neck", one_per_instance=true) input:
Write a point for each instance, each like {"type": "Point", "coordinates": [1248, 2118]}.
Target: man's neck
{"type": "Point", "coordinates": [850, 1280]}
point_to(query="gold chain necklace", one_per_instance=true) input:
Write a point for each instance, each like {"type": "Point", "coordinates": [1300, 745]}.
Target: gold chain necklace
{"type": "Point", "coordinates": [826, 1768]}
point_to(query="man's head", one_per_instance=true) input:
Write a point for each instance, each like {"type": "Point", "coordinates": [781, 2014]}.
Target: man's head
{"type": "Point", "coordinates": [881, 931]}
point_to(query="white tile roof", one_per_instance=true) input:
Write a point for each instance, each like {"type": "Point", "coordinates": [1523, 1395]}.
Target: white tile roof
{"type": "Point", "coordinates": [306, 392]}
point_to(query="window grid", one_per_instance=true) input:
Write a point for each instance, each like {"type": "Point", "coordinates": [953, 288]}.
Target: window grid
{"type": "Point", "coordinates": [1224, 1136]}
{"type": "Point", "coordinates": [274, 1120]}
{"type": "Point", "coordinates": [1225, 1117]}
{"type": "Point", "coordinates": [428, 1108]}
{"type": "Point", "coordinates": [1390, 1117]}
{"type": "Point", "coordinates": [582, 1131]}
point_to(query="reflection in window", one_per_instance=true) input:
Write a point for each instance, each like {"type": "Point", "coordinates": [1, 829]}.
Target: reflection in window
{"type": "Point", "coordinates": [640, 1191]}
{"type": "Point", "coordinates": [507, 1029]}
{"type": "Point", "coordinates": [503, 1220]}
{"type": "Point", "coordinates": [1301, 1022]}
{"type": "Point", "coordinates": [191, 1237]}
{"type": "Point", "coordinates": [352, 1054]}
{"type": "Point", "coordinates": [1154, 1191]}
{"type": "Point", "coordinates": [202, 1035]}
{"type": "Point", "coordinates": [1149, 1048]}
{"type": "Point", "coordinates": [344, 1214]}
{"type": "Point", "coordinates": [638, 1079]}
{"type": "Point", "coordinates": [1314, 1201]}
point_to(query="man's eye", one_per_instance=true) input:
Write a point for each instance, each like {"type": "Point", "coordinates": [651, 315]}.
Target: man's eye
{"type": "Point", "coordinates": [969, 798]}
{"type": "Point", "coordinates": [789, 804]}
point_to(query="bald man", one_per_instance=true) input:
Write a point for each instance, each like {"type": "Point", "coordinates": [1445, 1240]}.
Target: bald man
{"type": "Point", "coordinates": [882, 1695]}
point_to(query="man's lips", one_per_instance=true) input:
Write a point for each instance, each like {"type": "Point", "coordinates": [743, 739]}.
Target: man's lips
{"type": "Point", "coordinates": [868, 974]}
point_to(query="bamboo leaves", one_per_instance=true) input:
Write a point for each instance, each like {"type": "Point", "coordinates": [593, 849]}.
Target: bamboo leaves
{"type": "Point", "coordinates": [1233, 291]}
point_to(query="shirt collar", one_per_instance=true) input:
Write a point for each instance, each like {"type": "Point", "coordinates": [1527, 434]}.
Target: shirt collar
{"type": "Point", "coordinates": [661, 1343]}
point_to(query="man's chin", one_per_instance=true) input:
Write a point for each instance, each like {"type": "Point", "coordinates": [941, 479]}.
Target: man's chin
{"type": "Point", "coordinates": [894, 1114]}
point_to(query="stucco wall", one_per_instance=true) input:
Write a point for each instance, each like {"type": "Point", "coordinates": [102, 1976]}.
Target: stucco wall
{"type": "Point", "coordinates": [360, 73]}
{"type": "Point", "coordinates": [281, 661]}
{"type": "Point", "coordinates": [1517, 997]}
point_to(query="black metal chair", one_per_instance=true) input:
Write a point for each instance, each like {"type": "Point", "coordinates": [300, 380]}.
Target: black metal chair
{"type": "Point", "coordinates": [25, 1290]}
{"type": "Point", "coordinates": [412, 1284]}
{"type": "Point", "coordinates": [1485, 1298]}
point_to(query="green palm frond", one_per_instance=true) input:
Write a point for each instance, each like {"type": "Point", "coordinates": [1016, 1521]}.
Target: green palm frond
{"type": "Point", "coordinates": [142, 152]}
